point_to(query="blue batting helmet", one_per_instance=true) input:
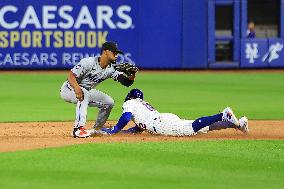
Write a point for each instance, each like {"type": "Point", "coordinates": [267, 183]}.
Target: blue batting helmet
{"type": "Point", "coordinates": [134, 93]}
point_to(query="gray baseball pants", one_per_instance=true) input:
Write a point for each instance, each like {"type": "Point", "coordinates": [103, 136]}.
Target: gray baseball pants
{"type": "Point", "coordinates": [93, 98]}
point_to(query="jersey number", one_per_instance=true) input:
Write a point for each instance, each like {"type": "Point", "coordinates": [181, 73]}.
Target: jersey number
{"type": "Point", "coordinates": [141, 125]}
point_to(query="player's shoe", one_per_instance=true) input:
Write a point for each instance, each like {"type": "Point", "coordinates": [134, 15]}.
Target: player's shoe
{"type": "Point", "coordinates": [97, 132]}
{"type": "Point", "coordinates": [228, 115]}
{"type": "Point", "coordinates": [243, 126]}
{"type": "Point", "coordinates": [80, 132]}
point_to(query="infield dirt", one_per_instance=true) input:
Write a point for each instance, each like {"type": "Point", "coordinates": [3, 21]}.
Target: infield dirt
{"type": "Point", "coordinates": [36, 135]}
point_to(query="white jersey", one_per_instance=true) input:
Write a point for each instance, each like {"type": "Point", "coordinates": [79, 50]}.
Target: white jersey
{"type": "Point", "coordinates": [147, 118]}
{"type": "Point", "coordinates": [89, 73]}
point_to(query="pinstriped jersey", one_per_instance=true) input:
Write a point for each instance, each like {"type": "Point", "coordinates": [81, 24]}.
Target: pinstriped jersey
{"type": "Point", "coordinates": [89, 73]}
{"type": "Point", "coordinates": [143, 114]}
{"type": "Point", "coordinates": [147, 118]}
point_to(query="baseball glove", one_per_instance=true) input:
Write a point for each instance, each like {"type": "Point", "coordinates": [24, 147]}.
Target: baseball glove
{"type": "Point", "coordinates": [127, 68]}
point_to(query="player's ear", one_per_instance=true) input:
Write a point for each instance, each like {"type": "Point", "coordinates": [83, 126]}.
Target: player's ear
{"type": "Point", "coordinates": [103, 52]}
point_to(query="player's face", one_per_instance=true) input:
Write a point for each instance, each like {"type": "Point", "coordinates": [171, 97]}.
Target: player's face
{"type": "Point", "coordinates": [112, 56]}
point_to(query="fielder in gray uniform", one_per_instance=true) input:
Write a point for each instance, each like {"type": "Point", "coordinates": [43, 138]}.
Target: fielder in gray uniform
{"type": "Point", "coordinates": [80, 87]}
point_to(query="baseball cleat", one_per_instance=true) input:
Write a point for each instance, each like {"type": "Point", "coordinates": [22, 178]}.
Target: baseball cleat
{"type": "Point", "coordinates": [228, 115]}
{"type": "Point", "coordinates": [243, 126]}
{"type": "Point", "coordinates": [80, 132]}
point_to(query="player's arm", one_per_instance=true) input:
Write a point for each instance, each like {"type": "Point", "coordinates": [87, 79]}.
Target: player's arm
{"type": "Point", "coordinates": [134, 129]}
{"type": "Point", "coordinates": [73, 82]}
{"type": "Point", "coordinates": [126, 81]}
{"type": "Point", "coordinates": [122, 122]}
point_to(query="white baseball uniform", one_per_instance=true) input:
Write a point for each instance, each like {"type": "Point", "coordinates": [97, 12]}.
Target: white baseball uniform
{"type": "Point", "coordinates": [89, 74]}
{"type": "Point", "coordinates": [149, 119]}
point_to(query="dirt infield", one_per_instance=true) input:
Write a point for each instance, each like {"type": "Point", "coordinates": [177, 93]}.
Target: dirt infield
{"type": "Point", "coordinates": [35, 135]}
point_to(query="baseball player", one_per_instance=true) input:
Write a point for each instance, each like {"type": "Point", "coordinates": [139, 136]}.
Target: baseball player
{"type": "Point", "coordinates": [147, 118]}
{"type": "Point", "coordinates": [81, 82]}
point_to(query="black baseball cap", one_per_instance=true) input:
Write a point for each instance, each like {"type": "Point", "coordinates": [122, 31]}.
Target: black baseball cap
{"type": "Point", "coordinates": [111, 46]}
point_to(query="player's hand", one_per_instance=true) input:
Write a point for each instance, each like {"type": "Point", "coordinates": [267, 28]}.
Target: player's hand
{"type": "Point", "coordinates": [109, 131]}
{"type": "Point", "coordinates": [106, 130]}
{"type": "Point", "coordinates": [133, 130]}
{"type": "Point", "coordinates": [79, 93]}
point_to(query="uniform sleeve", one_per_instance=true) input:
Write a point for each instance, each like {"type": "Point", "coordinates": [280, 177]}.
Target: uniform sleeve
{"type": "Point", "coordinates": [115, 73]}
{"type": "Point", "coordinates": [82, 67]}
{"type": "Point", "coordinates": [122, 122]}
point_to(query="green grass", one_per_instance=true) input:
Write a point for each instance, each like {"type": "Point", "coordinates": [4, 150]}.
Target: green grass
{"type": "Point", "coordinates": [35, 97]}
{"type": "Point", "coordinates": [191, 164]}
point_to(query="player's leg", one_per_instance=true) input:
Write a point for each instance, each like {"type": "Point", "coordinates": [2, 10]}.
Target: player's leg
{"type": "Point", "coordinates": [227, 115]}
{"type": "Point", "coordinates": [243, 126]}
{"type": "Point", "coordinates": [67, 93]}
{"type": "Point", "coordinates": [81, 110]}
{"type": "Point", "coordinates": [206, 121]}
{"type": "Point", "coordinates": [81, 118]}
{"type": "Point", "coordinates": [217, 126]}
{"type": "Point", "coordinates": [174, 126]}
{"type": "Point", "coordinates": [105, 104]}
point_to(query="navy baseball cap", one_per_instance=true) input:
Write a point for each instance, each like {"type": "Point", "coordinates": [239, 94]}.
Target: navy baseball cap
{"type": "Point", "coordinates": [111, 46]}
{"type": "Point", "coordinates": [134, 93]}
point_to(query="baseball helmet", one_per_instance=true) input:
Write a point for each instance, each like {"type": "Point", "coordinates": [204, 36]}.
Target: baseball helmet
{"type": "Point", "coordinates": [134, 93]}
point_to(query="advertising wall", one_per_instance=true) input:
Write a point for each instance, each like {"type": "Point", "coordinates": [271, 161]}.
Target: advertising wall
{"type": "Point", "coordinates": [154, 34]}
{"type": "Point", "coordinates": [57, 34]}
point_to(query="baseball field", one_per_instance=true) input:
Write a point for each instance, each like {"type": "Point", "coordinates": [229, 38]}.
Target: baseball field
{"type": "Point", "coordinates": [37, 150]}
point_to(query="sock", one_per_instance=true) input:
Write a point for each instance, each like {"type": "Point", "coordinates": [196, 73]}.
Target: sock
{"type": "Point", "coordinates": [206, 121]}
{"type": "Point", "coordinates": [222, 125]}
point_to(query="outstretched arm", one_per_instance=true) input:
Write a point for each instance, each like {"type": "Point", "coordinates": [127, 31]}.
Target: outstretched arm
{"type": "Point", "coordinates": [122, 122]}
{"type": "Point", "coordinates": [134, 129]}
